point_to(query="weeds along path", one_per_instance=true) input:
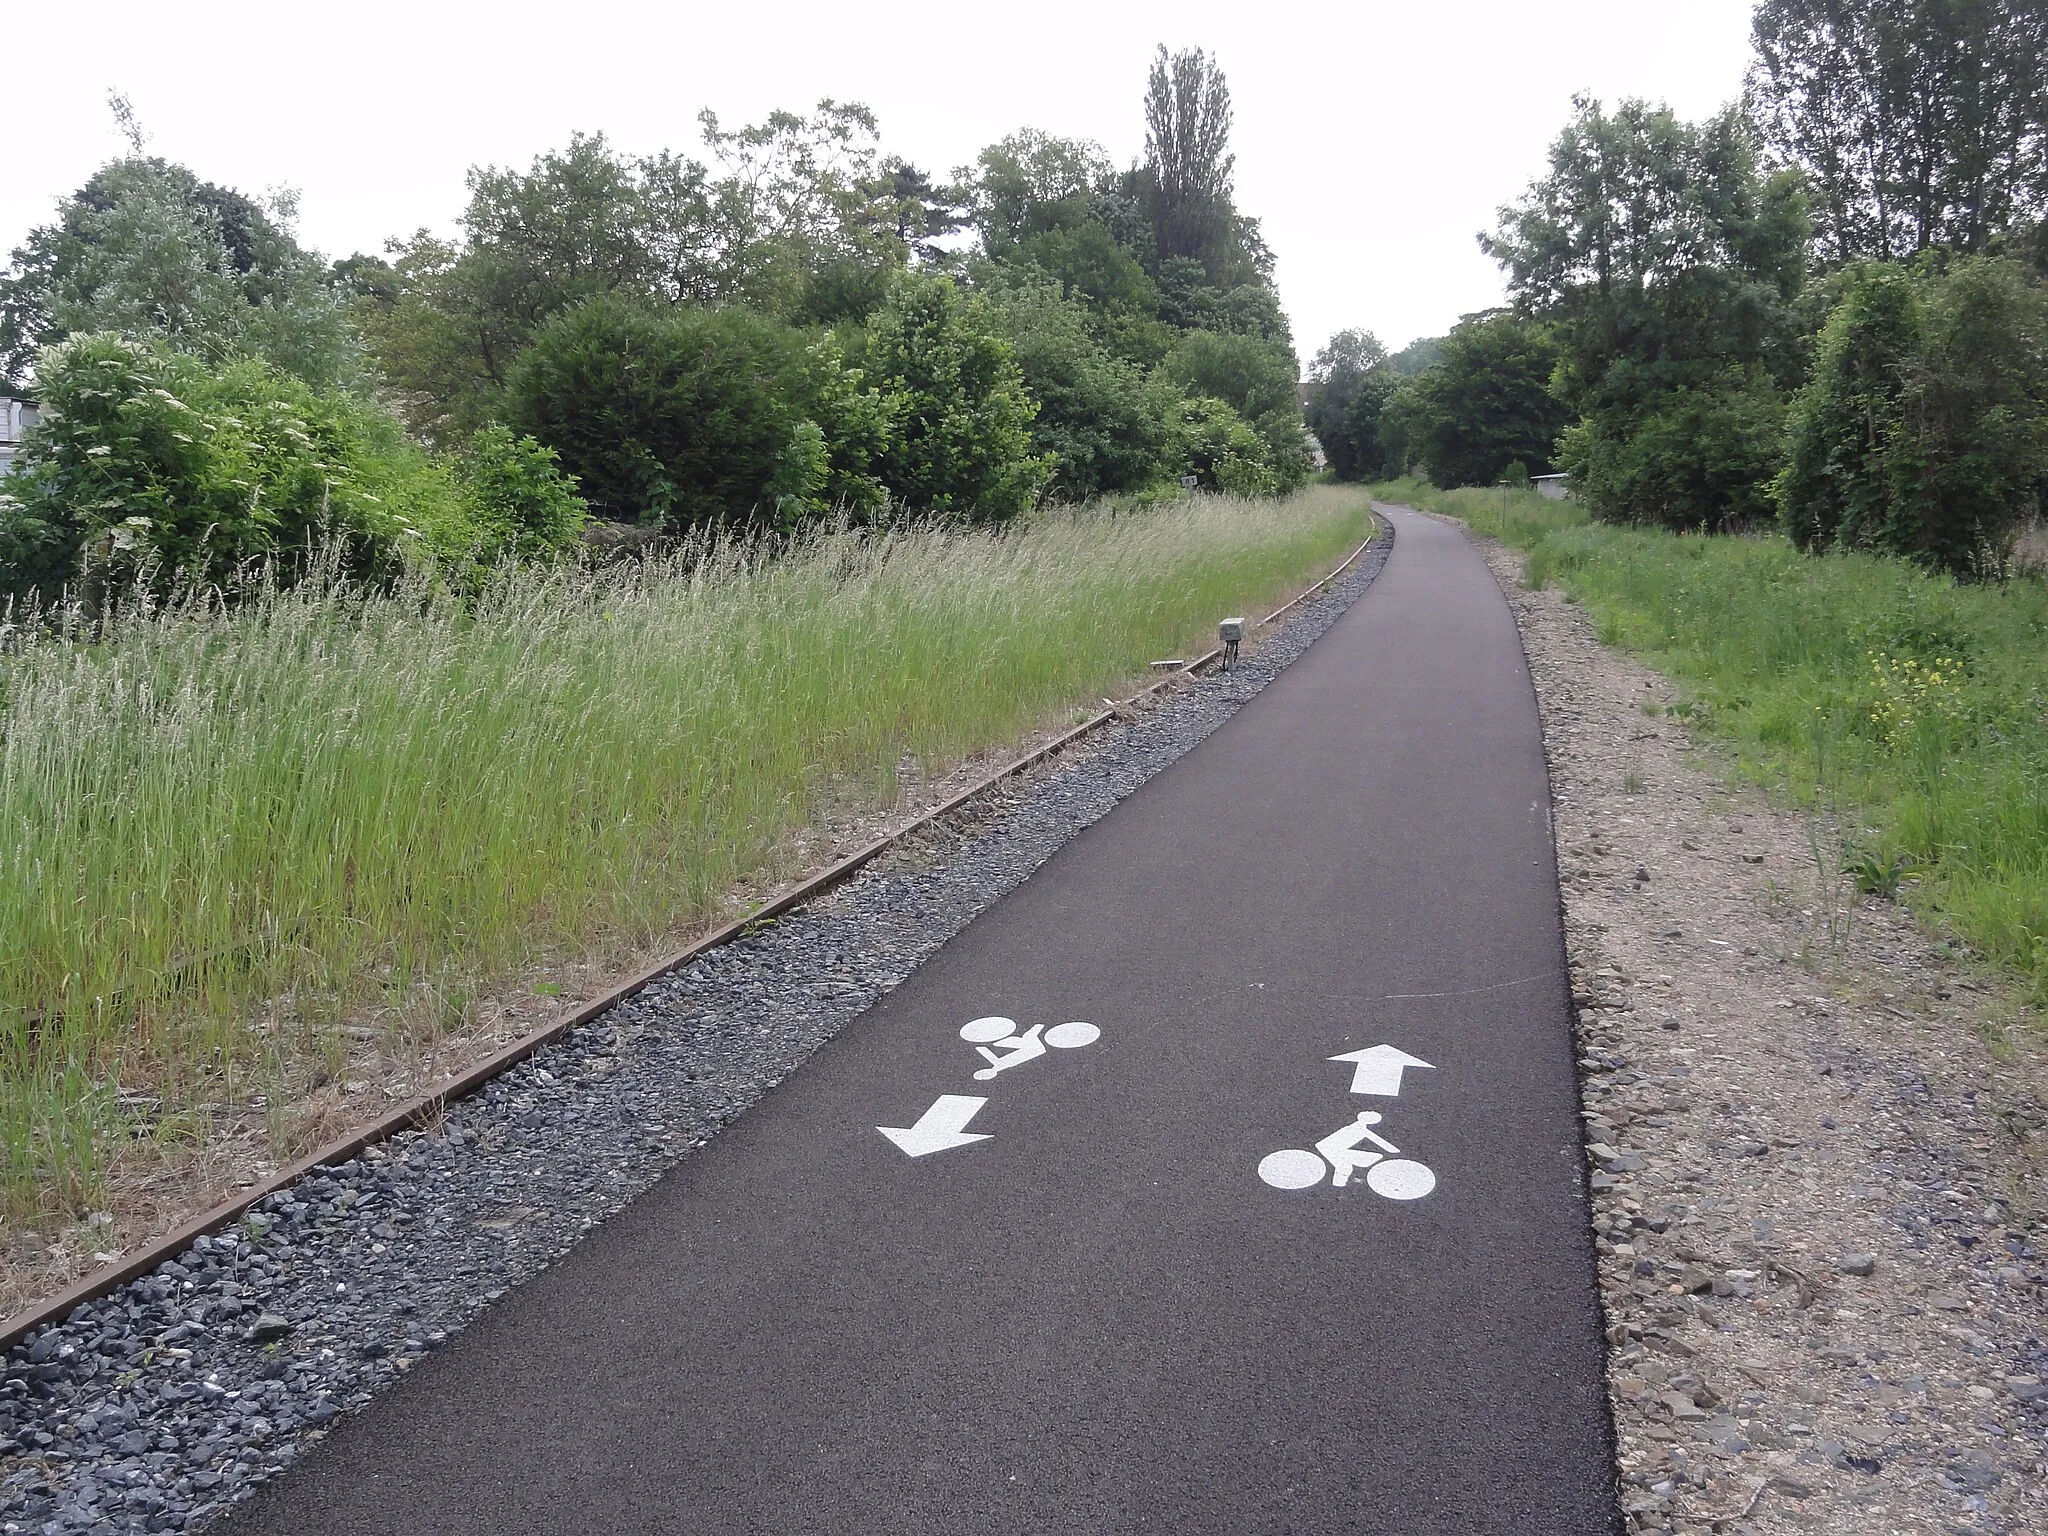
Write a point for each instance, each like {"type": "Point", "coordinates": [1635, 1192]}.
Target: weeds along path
{"type": "Point", "coordinates": [1815, 1140]}
{"type": "Point", "coordinates": [273, 869]}
{"type": "Point", "coordinates": [1904, 708]}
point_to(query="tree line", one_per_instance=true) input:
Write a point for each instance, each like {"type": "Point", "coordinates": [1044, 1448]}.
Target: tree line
{"type": "Point", "coordinates": [1825, 307]}
{"type": "Point", "coordinates": [615, 346]}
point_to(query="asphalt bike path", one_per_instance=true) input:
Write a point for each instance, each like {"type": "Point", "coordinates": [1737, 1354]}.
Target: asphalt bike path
{"type": "Point", "coordinates": [1222, 1178]}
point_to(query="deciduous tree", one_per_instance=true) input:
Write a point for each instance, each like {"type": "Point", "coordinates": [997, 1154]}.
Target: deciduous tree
{"type": "Point", "coordinates": [1924, 430]}
{"type": "Point", "coordinates": [1918, 122]}
{"type": "Point", "coordinates": [1349, 387]}
{"type": "Point", "coordinates": [1188, 163]}
{"type": "Point", "coordinates": [1257, 379]}
{"type": "Point", "coordinates": [1666, 260]}
{"type": "Point", "coordinates": [1107, 425]}
{"type": "Point", "coordinates": [147, 249]}
{"type": "Point", "coordinates": [960, 442]}
{"type": "Point", "coordinates": [802, 220]}
{"type": "Point", "coordinates": [1486, 402]}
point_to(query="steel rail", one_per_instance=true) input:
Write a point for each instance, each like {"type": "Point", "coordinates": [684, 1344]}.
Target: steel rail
{"type": "Point", "coordinates": [425, 1108]}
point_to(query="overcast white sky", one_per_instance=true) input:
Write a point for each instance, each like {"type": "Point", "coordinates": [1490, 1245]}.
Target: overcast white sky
{"type": "Point", "coordinates": [1374, 138]}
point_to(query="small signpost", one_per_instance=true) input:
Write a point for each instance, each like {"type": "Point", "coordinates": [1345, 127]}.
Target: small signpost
{"type": "Point", "coordinates": [1230, 632]}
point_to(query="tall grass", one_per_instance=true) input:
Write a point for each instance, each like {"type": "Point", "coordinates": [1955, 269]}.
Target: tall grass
{"type": "Point", "coordinates": [1913, 709]}
{"type": "Point", "coordinates": [226, 833]}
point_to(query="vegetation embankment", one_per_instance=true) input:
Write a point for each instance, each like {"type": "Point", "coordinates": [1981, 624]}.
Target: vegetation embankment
{"type": "Point", "coordinates": [322, 710]}
{"type": "Point", "coordinates": [238, 831]}
{"type": "Point", "coordinates": [1910, 709]}
{"type": "Point", "coordinates": [1801, 393]}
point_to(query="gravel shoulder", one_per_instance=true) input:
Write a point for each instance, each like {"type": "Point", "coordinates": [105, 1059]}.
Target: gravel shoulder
{"type": "Point", "coordinates": [157, 1407]}
{"type": "Point", "coordinates": [1818, 1145]}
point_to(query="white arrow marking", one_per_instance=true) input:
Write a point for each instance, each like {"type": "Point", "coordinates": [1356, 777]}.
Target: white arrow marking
{"type": "Point", "coordinates": [943, 1125]}
{"type": "Point", "coordinates": [1379, 1069]}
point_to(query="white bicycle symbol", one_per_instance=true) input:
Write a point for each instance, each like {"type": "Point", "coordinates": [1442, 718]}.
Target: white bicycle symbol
{"type": "Point", "coordinates": [1339, 1154]}
{"type": "Point", "coordinates": [998, 1042]}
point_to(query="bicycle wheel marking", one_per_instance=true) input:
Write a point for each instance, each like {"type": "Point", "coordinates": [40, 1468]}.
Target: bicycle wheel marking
{"type": "Point", "coordinates": [1292, 1169]}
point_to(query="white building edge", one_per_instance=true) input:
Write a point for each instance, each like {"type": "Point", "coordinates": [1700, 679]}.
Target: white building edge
{"type": "Point", "coordinates": [16, 417]}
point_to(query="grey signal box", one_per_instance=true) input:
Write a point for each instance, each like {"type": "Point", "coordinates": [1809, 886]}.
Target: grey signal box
{"type": "Point", "coordinates": [1230, 631]}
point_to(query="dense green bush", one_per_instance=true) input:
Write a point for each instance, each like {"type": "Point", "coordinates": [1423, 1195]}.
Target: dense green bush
{"type": "Point", "coordinates": [1924, 430]}
{"type": "Point", "coordinates": [521, 506]}
{"type": "Point", "coordinates": [1486, 402]}
{"type": "Point", "coordinates": [1257, 379]}
{"type": "Point", "coordinates": [959, 441]}
{"type": "Point", "coordinates": [1222, 451]}
{"type": "Point", "coordinates": [686, 418]}
{"type": "Point", "coordinates": [1690, 458]}
{"type": "Point", "coordinates": [677, 417]}
{"type": "Point", "coordinates": [150, 467]}
{"type": "Point", "coordinates": [1107, 425]}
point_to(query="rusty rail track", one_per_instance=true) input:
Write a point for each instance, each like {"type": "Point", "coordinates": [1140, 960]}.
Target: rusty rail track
{"type": "Point", "coordinates": [427, 1107]}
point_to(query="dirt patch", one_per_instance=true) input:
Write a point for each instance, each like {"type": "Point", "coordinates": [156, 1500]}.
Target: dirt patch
{"type": "Point", "coordinates": [1817, 1137]}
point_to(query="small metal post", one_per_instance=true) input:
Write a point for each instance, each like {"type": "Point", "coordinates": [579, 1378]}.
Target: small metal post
{"type": "Point", "coordinates": [1230, 632]}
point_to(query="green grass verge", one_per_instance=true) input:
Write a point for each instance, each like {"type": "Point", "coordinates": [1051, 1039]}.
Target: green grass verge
{"type": "Point", "coordinates": [1913, 711]}
{"type": "Point", "coordinates": [229, 835]}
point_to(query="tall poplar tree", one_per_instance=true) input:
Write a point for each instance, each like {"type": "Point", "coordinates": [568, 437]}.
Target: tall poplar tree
{"type": "Point", "coordinates": [1188, 163]}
